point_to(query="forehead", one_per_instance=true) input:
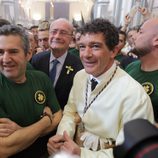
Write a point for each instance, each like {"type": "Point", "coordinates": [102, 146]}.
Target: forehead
{"type": "Point", "coordinates": [132, 32]}
{"type": "Point", "coordinates": [121, 36]}
{"type": "Point", "coordinates": [34, 29]}
{"type": "Point", "coordinates": [92, 38]}
{"type": "Point", "coordinates": [61, 25]}
{"type": "Point", "coordinates": [10, 41]}
{"type": "Point", "coordinates": [45, 33]}
{"type": "Point", "coordinates": [150, 25]}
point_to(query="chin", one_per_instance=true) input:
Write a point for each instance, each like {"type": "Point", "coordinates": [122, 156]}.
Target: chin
{"type": "Point", "coordinates": [91, 72]}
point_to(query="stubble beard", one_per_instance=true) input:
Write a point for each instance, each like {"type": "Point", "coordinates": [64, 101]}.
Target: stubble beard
{"type": "Point", "coordinates": [141, 52]}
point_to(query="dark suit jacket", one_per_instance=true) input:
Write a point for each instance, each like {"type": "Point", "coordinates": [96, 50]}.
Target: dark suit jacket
{"type": "Point", "coordinates": [63, 86]}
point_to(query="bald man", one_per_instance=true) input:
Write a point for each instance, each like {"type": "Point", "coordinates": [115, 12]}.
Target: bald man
{"type": "Point", "coordinates": [145, 71]}
{"type": "Point", "coordinates": [60, 36]}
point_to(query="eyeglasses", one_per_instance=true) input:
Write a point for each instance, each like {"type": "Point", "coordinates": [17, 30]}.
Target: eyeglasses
{"type": "Point", "coordinates": [61, 32]}
{"type": "Point", "coordinates": [43, 39]}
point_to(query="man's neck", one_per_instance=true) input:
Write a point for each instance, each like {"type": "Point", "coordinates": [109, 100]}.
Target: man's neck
{"type": "Point", "coordinates": [149, 63]}
{"type": "Point", "coordinates": [58, 53]}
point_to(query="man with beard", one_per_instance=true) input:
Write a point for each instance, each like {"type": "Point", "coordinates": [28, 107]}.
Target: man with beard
{"type": "Point", "coordinates": [145, 71]}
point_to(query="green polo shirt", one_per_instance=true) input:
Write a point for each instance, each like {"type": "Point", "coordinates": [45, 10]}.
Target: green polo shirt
{"type": "Point", "coordinates": [149, 80]}
{"type": "Point", "coordinates": [24, 103]}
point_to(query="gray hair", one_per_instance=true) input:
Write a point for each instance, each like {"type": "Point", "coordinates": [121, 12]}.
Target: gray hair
{"type": "Point", "coordinates": [15, 30]}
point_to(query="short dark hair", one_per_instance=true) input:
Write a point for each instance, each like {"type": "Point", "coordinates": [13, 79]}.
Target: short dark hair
{"type": "Point", "coordinates": [104, 26]}
{"type": "Point", "coordinates": [135, 28]}
{"type": "Point", "coordinates": [34, 27]}
{"type": "Point", "coordinates": [7, 30]}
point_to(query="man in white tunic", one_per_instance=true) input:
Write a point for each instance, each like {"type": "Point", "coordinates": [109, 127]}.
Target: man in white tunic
{"type": "Point", "coordinates": [104, 109]}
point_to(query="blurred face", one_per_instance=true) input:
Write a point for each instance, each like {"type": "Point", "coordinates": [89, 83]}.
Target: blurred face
{"type": "Point", "coordinates": [145, 36]}
{"type": "Point", "coordinates": [12, 58]}
{"type": "Point", "coordinates": [121, 41]}
{"type": "Point", "coordinates": [60, 36]}
{"type": "Point", "coordinates": [32, 43]}
{"type": "Point", "coordinates": [131, 36]}
{"type": "Point", "coordinates": [43, 37]}
{"type": "Point", "coordinates": [77, 36]}
{"type": "Point", "coordinates": [94, 54]}
{"type": "Point", "coordinates": [34, 31]}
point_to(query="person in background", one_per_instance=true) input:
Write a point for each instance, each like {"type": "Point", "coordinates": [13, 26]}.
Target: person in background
{"type": "Point", "coordinates": [32, 43]}
{"type": "Point", "coordinates": [4, 22]}
{"type": "Point", "coordinates": [74, 47]}
{"type": "Point", "coordinates": [29, 110]}
{"type": "Point", "coordinates": [34, 30]}
{"type": "Point", "coordinates": [59, 59]}
{"type": "Point", "coordinates": [121, 44]}
{"type": "Point", "coordinates": [32, 49]}
{"type": "Point", "coordinates": [122, 58]}
{"type": "Point", "coordinates": [145, 70]}
{"type": "Point", "coordinates": [43, 37]}
{"type": "Point", "coordinates": [100, 98]}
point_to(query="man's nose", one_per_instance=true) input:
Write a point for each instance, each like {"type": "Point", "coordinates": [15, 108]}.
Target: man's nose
{"type": "Point", "coordinates": [6, 57]}
{"type": "Point", "coordinates": [88, 52]}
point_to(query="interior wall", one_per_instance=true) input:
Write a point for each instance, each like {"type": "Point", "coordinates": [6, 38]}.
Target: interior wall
{"type": "Point", "coordinates": [61, 10]}
{"type": "Point", "coordinates": [78, 8]}
{"type": "Point", "coordinates": [38, 8]}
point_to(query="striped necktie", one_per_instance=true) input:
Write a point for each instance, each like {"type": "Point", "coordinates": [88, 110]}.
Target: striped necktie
{"type": "Point", "coordinates": [52, 73]}
{"type": "Point", "coordinates": [93, 84]}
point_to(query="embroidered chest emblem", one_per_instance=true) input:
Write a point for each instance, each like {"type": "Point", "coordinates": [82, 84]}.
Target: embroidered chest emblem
{"type": "Point", "coordinates": [40, 97]}
{"type": "Point", "coordinates": [69, 70]}
{"type": "Point", "coordinates": [149, 88]}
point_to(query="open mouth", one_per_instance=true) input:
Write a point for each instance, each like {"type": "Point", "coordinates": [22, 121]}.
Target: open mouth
{"type": "Point", "coordinates": [8, 68]}
{"type": "Point", "coordinates": [89, 64]}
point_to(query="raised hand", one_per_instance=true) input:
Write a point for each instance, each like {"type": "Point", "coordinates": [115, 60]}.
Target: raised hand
{"type": "Point", "coordinates": [127, 19]}
{"type": "Point", "coordinates": [144, 11]}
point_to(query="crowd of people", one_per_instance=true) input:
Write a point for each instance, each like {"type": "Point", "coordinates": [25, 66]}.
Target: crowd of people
{"type": "Point", "coordinates": [72, 90]}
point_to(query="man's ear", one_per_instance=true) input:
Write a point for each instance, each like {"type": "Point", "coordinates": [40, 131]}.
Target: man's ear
{"type": "Point", "coordinates": [155, 41]}
{"type": "Point", "coordinates": [115, 51]}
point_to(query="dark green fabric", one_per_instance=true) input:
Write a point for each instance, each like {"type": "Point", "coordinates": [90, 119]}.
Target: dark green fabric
{"type": "Point", "coordinates": [151, 78]}
{"type": "Point", "coordinates": [17, 101]}
{"type": "Point", "coordinates": [74, 51]}
{"type": "Point", "coordinates": [29, 66]}
{"type": "Point", "coordinates": [119, 57]}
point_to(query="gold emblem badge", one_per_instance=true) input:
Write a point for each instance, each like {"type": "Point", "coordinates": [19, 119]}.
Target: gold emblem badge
{"type": "Point", "coordinates": [40, 97]}
{"type": "Point", "coordinates": [149, 88]}
{"type": "Point", "coordinates": [69, 69]}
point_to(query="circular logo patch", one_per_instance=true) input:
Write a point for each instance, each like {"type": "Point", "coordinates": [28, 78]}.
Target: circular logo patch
{"type": "Point", "coordinates": [149, 88]}
{"type": "Point", "coordinates": [40, 97]}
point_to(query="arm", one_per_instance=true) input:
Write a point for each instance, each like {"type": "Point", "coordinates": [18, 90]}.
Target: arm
{"type": "Point", "coordinates": [145, 13]}
{"type": "Point", "coordinates": [17, 141]}
{"type": "Point", "coordinates": [23, 137]}
{"type": "Point", "coordinates": [54, 119]}
{"type": "Point", "coordinates": [7, 127]}
{"type": "Point", "coordinates": [127, 21]}
{"type": "Point", "coordinates": [64, 140]}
